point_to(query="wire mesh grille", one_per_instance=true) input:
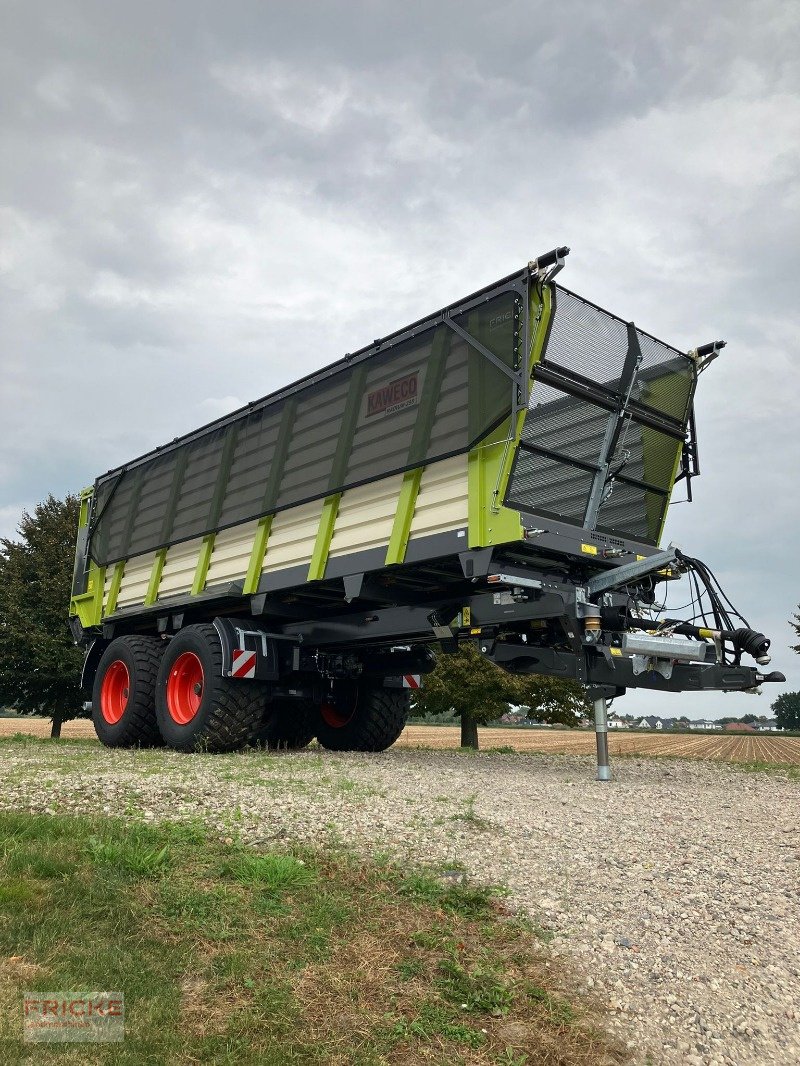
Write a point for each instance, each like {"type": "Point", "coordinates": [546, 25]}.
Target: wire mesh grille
{"type": "Point", "coordinates": [666, 379]}
{"type": "Point", "coordinates": [587, 341]}
{"type": "Point", "coordinates": [558, 488]}
{"type": "Point", "coordinates": [590, 348]}
{"type": "Point", "coordinates": [636, 511]}
{"type": "Point", "coordinates": [565, 424]}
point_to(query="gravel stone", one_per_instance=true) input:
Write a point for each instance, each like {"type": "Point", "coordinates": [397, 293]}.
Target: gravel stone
{"type": "Point", "coordinates": [670, 893]}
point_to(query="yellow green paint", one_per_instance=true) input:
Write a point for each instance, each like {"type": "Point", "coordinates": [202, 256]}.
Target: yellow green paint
{"type": "Point", "coordinates": [257, 554]}
{"type": "Point", "coordinates": [319, 556]}
{"type": "Point", "coordinates": [657, 461]}
{"type": "Point", "coordinates": [116, 582]}
{"type": "Point", "coordinates": [88, 606]}
{"type": "Point", "coordinates": [203, 563]}
{"type": "Point", "coordinates": [401, 528]}
{"type": "Point", "coordinates": [490, 462]}
{"type": "Point", "coordinates": [155, 577]}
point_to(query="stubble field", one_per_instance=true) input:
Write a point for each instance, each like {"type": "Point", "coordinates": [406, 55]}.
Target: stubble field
{"type": "Point", "coordinates": [726, 748]}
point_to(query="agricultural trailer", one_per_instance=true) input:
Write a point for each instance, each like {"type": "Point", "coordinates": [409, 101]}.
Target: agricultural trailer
{"type": "Point", "coordinates": [498, 472]}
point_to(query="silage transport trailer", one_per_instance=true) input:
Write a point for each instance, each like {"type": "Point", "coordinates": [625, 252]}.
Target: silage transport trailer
{"type": "Point", "coordinates": [498, 472]}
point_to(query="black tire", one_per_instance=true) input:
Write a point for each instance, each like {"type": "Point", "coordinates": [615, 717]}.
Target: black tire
{"type": "Point", "coordinates": [222, 714]}
{"type": "Point", "coordinates": [371, 719]}
{"type": "Point", "coordinates": [289, 725]}
{"type": "Point", "coordinates": [123, 694]}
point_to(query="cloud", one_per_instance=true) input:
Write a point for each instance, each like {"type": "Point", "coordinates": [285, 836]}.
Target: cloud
{"type": "Point", "coordinates": [204, 204]}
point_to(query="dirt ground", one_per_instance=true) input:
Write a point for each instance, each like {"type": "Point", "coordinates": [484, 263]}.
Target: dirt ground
{"type": "Point", "coordinates": [727, 748]}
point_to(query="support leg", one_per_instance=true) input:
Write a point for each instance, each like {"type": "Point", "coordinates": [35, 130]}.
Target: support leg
{"type": "Point", "coordinates": [601, 733]}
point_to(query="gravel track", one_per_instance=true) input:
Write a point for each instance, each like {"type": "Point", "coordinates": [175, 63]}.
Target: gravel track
{"type": "Point", "coordinates": [672, 892]}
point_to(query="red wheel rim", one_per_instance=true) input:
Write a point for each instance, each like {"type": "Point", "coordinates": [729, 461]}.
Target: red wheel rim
{"type": "Point", "coordinates": [335, 718]}
{"type": "Point", "coordinates": [114, 692]}
{"type": "Point", "coordinates": [185, 688]}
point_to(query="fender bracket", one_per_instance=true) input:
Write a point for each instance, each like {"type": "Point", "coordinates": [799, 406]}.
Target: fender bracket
{"type": "Point", "coordinates": [247, 653]}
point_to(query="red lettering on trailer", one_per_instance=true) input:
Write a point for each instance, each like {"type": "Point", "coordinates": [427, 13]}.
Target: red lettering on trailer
{"type": "Point", "coordinates": [411, 680]}
{"type": "Point", "coordinates": [243, 663]}
{"type": "Point", "coordinates": [395, 396]}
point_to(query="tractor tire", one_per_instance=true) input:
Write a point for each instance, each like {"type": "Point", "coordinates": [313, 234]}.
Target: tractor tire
{"type": "Point", "coordinates": [368, 719]}
{"type": "Point", "coordinates": [289, 726]}
{"type": "Point", "coordinates": [123, 694]}
{"type": "Point", "coordinates": [198, 709]}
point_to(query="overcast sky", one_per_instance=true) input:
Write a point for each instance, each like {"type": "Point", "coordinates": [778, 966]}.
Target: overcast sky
{"type": "Point", "coordinates": [201, 201]}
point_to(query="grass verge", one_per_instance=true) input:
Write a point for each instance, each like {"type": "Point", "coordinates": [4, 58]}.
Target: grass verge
{"type": "Point", "coordinates": [226, 955]}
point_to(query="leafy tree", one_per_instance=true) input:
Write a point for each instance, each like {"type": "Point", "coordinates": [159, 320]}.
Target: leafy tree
{"type": "Point", "coordinates": [39, 664]}
{"type": "Point", "coordinates": [795, 624]}
{"type": "Point", "coordinates": [471, 687]}
{"type": "Point", "coordinates": [787, 710]}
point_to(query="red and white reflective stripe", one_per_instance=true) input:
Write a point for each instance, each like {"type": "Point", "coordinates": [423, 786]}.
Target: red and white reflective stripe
{"type": "Point", "coordinates": [243, 663]}
{"type": "Point", "coordinates": [411, 680]}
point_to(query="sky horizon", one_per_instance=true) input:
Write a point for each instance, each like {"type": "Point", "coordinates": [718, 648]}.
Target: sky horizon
{"type": "Point", "coordinates": [199, 206]}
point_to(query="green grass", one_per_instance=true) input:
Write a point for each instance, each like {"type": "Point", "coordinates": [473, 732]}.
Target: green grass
{"type": "Point", "coordinates": [226, 955]}
{"type": "Point", "coordinates": [759, 767]}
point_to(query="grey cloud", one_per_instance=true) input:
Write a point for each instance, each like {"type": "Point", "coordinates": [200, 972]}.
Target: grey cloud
{"type": "Point", "coordinates": [202, 202]}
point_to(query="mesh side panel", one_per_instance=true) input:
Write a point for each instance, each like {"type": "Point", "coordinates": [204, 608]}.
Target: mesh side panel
{"type": "Point", "coordinates": [565, 424]}
{"type": "Point", "coordinates": [589, 353]}
{"type": "Point", "coordinates": [248, 477]}
{"type": "Point", "coordinates": [647, 455]}
{"type": "Point", "coordinates": [195, 488]}
{"type": "Point", "coordinates": [666, 379]}
{"type": "Point", "coordinates": [632, 510]}
{"type": "Point", "coordinates": [549, 486]}
{"type": "Point", "coordinates": [587, 341]}
{"type": "Point", "coordinates": [417, 402]}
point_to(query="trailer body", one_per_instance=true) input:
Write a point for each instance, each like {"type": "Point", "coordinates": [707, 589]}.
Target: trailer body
{"type": "Point", "coordinates": [467, 477]}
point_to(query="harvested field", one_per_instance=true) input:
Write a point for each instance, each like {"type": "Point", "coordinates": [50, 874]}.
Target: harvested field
{"type": "Point", "coordinates": [726, 748]}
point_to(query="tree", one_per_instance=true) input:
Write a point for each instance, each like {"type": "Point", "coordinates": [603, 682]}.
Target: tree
{"type": "Point", "coordinates": [39, 664]}
{"type": "Point", "coordinates": [552, 699]}
{"type": "Point", "coordinates": [470, 686]}
{"type": "Point", "coordinates": [795, 624]}
{"type": "Point", "coordinates": [787, 710]}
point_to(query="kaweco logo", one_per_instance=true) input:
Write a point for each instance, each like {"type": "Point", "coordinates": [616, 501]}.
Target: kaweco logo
{"type": "Point", "coordinates": [395, 396]}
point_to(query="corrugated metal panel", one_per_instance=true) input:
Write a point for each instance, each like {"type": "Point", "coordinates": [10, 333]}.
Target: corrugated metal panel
{"type": "Point", "coordinates": [135, 580]}
{"type": "Point", "coordinates": [292, 537]}
{"type": "Point", "coordinates": [231, 554]}
{"type": "Point", "coordinates": [179, 568]}
{"type": "Point", "coordinates": [366, 516]}
{"type": "Point", "coordinates": [442, 503]}
{"type": "Point", "coordinates": [107, 585]}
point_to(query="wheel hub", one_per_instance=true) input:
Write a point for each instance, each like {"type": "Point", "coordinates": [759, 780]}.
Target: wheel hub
{"type": "Point", "coordinates": [114, 692]}
{"type": "Point", "coordinates": [185, 688]}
